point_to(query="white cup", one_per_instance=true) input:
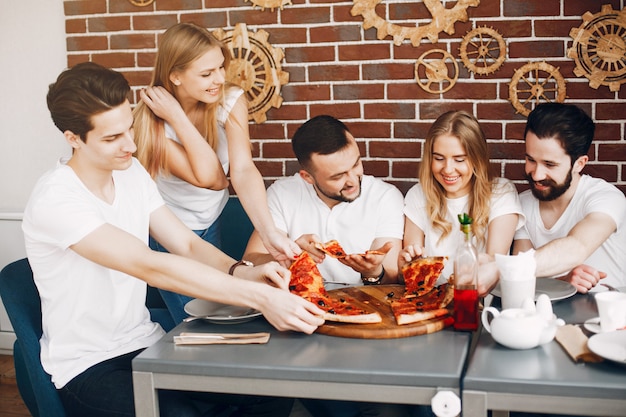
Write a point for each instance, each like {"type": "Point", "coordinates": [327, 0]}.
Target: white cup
{"type": "Point", "coordinates": [514, 292]}
{"type": "Point", "coordinates": [612, 310]}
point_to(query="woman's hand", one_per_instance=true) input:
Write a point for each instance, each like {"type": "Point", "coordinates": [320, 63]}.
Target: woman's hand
{"type": "Point", "coordinates": [287, 311]}
{"type": "Point", "coordinates": [162, 103]}
{"type": "Point", "coordinates": [408, 253]}
{"type": "Point", "coordinates": [271, 273]}
{"type": "Point", "coordinates": [282, 249]}
{"type": "Point", "coordinates": [309, 243]}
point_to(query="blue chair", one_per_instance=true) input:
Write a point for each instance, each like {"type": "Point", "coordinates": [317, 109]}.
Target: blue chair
{"type": "Point", "coordinates": [236, 228]}
{"type": "Point", "coordinates": [21, 300]}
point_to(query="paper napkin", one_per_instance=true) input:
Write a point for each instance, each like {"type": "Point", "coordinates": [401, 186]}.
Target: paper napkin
{"type": "Point", "coordinates": [574, 341]}
{"type": "Point", "coordinates": [221, 338]}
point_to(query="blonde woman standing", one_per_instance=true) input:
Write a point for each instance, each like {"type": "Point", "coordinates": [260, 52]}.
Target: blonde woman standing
{"type": "Point", "coordinates": [454, 178]}
{"type": "Point", "coordinates": [191, 131]}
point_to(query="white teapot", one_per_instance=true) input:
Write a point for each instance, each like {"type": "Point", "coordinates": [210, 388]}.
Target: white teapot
{"type": "Point", "coordinates": [522, 328]}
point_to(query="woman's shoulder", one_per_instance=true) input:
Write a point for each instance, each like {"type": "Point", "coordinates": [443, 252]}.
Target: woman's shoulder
{"type": "Point", "coordinates": [503, 185]}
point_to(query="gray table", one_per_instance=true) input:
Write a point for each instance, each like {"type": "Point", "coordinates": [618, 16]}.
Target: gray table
{"type": "Point", "coordinates": [543, 379]}
{"type": "Point", "coordinates": [405, 370]}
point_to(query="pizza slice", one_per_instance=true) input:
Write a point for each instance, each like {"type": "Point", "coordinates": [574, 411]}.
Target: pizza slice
{"type": "Point", "coordinates": [421, 274]}
{"type": "Point", "coordinates": [412, 308]}
{"type": "Point", "coordinates": [307, 282]}
{"type": "Point", "coordinates": [332, 248]}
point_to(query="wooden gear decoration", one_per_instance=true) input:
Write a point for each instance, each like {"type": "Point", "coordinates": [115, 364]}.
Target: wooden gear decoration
{"type": "Point", "coordinates": [271, 4]}
{"type": "Point", "coordinates": [141, 2]}
{"type": "Point", "coordinates": [436, 66]}
{"type": "Point", "coordinates": [255, 67]}
{"type": "Point", "coordinates": [599, 48]}
{"type": "Point", "coordinates": [533, 83]}
{"type": "Point", "coordinates": [443, 19]}
{"type": "Point", "coordinates": [483, 50]}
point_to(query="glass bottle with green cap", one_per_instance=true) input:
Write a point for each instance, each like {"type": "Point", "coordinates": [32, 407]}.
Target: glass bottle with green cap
{"type": "Point", "coordinates": [466, 279]}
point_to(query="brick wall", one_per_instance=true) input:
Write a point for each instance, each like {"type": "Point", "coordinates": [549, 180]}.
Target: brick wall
{"type": "Point", "coordinates": [337, 67]}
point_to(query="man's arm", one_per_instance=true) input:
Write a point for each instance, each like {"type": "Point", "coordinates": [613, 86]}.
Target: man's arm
{"type": "Point", "coordinates": [202, 274]}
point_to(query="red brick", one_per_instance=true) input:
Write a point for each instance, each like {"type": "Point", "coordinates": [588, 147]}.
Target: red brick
{"type": "Point", "coordinates": [386, 149]}
{"type": "Point", "coordinates": [370, 129]}
{"type": "Point", "coordinates": [606, 172]}
{"type": "Point", "coordinates": [559, 28]}
{"type": "Point", "coordinates": [310, 54]}
{"type": "Point", "coordinates": [124, 6]}
{"type": "Point", "coordinates": [333, 73]}
{"type": "Point", "coordinates": [531, 8]}
{"type": "Point", "coordinates": [536, 49]}
{"type": "Point", "coordinates": [388, 71]}
{"type": "Point", "coordinates": [608, 131]}
{"type": "Point", "coordinates": [76, 59]}
{"type": "Point", "coordinates": [358, 91]}
{"type": "Point", "coordinates": [154, 21]}
{"type": "Point", "coordinates": [363, 52]}
{"type": "Point", "coordinates": [430, 111]}
{"type": "Point", "coordinates": [87, 43]}
{"type": "Point", "coordinates": [253, 17]}
{"type": "Point", "coordinates": [141, 78]}
{"type": "Point", "coordinates": [410, 130]}
{"type": "Point", "coordinates": [227, 3]}
{"type": "Point", "coordinates": [270, 169]}
{"type": "Point", "coordinates": [492, 130]}
{"type": "Point", "coordinates": [267, 131]}
{"type": "Point", "coordinates": [478, 91]}
{"type": "Point", "coordinates": [343, 33]}
{"type": "Point", "coordinates": [409, 90]}
{"type": "Point", "coordinates": [293, 15]}
{"type": "Point", "coordinates": [277, 150]}
{"type": "Point", "coordinates": [115, 59]}
{"type": "Point", "coordinates": [579, 7]}
{"type": "Point", "coordinates": [146, 59]}
{"type": "Point", "coordinates": [288, 112]}
{"type": "Point", "coordinates": [78, 7]}
{"type": "Point", "coordinates": [377, 168]}
{"type": "Point", "coordinates": [131, 41]}
{"type": "Point", "coordinates": [210, 21]}
{"type": "Point", "coordinates": [342, 14]}
{"type": "Point", "coordinates": [403, 186]}
{"type": "Point", "coordinates": [514, 171]}
{"type": "Point", "coordinates": [497, 111]}
{"type": "Point", "coordinates": [404, 169]}
{"type": "Point", "coordinates": [611, 152]}
{"type": "Point", "coordinates": [504, 150]}
{"type": "Point", "coordinates": [338, 110]}
{"type": "Point", "coordinates": [108, 23]}
{"type": "Point", "coordinates": [610, 111]}
{"type": "Point", "coordinates": [305, 92]}
{"type": "Point", "coordinates": [580, 89]}
{"type": "Point", "coordinates": [287, 35]}
{"type": "Point", "coordinates": [388, 110]}
{"type": "Point", "coordinates": [75, 26]}
{"type": "Point", "coordinates": [178, 4]}
{"type": "Point", "coordinates": [486, 8]}
{"type": "Point", "coordinates": [292, 167]}
{"type": "Point", "coordinates": [297, 74]}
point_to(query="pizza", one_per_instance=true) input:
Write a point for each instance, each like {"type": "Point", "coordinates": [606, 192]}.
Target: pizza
{"type": "Point", "coordinates": [421, 274]}
{"type": "Point", "coordinates": [307, 282]}
{"type": "Point", "coordinates": [422, 300]}
{"type": "Point", "coordinates": [334, 249]}
{"type": "Point", "coordinates": [412, 308]}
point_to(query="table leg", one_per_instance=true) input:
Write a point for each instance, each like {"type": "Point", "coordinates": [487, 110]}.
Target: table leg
{"type": "Point", "coordinates": [474, 404]}
{"type": "Point", "coordinates": [146, 398]}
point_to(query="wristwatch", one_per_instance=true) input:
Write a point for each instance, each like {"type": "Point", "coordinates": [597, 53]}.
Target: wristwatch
{"type": "Point", "coordinates": [231, 270]}
{"type": "Point", "coordinates": [374, 280]}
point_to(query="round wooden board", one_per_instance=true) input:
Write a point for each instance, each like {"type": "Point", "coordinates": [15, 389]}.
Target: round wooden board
{"type": "Point", "coordinates": [377, 298]}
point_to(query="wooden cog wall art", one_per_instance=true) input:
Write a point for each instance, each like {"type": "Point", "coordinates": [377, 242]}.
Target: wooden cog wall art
{"type": "Point", "coordinates": [141, 2]}
{"type": "Point", "coordinates": [271, 4]}
{"type": "Point", "coordinates": [483, 50]}
{"type": "Point", "coordinates": [599, 48]}
{"type": "Point", "coordinates": [255, 67]}
{"type": "Point", "coordinates": [533, 83]}
{"type": "Point", "coordinates": [436, 67]}
{"type": "Point", "coordinates": [443, 19]}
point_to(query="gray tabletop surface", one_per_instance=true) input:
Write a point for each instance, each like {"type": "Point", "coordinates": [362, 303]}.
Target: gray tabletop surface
{"type": "Point", "coordinates": [547, 369]}
{"type": "Point", "coordinates": [433, 360]}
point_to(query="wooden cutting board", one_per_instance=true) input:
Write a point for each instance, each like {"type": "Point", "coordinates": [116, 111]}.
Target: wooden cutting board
{"type": "Point", "coordinates": [377, 298]}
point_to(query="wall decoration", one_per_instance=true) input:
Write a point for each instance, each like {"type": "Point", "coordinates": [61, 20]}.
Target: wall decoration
{"type": "Point", "coordinates": [533, 83]}
{"type": "Point", "coordinates": [255, 67]}
{"type": "Point", "coordinates": [483, 50]}
{"type": "Point", "coordinates": [141, 2]}
{"type": "Point", "coordinates": [599, 48]}
{"type": "Point", "coordinates": [443, 19]}
{"type": "Point", "coordinates": [272, 4]}
{"type": "Point", "coordinates": [436, 67]}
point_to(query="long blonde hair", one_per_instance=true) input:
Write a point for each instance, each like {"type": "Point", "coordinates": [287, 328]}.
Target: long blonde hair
{"type": "Point", "coordinates": [465, 127]}
{"type": "Point", "coordinates": [179, 46]}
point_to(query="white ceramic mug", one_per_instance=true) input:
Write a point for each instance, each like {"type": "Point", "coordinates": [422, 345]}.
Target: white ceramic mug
{"type": "Point", "coordinates": [612, 310]}
{"type": "Point", "coordinates": [514, 292]}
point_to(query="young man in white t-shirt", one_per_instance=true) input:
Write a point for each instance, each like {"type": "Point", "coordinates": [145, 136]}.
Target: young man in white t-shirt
{"type": "Point", "coordinates": [574, 221]}
{"type": "Point", "coordinates": [86, 230]}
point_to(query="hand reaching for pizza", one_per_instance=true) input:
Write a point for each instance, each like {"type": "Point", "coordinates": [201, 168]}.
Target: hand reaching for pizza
{"type": "Point", "coordinates": [287, 311]}
{"type": "Point", "coordinates": [368, 263]}
{"type": "Point", "coordinates": [312, 244]}
{"type": "Point", "coordinates": [270, 273]}
{"type": "Point", "coordinates": [409, 253]}
{"type": "Point", "coordinates": [282, 249]}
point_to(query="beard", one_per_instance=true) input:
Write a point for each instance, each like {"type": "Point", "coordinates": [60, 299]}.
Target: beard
{"type": "Point", "coordinates": [338, 196]}
{"type": "Point", "coordinates": [555, 189]}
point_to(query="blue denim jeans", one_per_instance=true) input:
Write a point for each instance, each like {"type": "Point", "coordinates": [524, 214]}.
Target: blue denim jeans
{"type": "Point", "coordinates": [106, 390]}
{"type": "Point", "coordinates": [176, 302]}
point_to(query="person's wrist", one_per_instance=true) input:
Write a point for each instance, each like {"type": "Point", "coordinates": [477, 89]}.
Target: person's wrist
{"type": "Point", "coordinates": [374, 280]}
{"type": "Point", "coordinates": [232, 268]}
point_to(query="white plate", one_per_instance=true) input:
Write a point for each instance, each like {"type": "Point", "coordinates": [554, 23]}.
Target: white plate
{"type": "Point", "coordinates": [220, 313]}
{"type": "Point", "coordinates": [553, 288]}
{"type": "Point", "coordinates": [609, 345]}
{"type": "Point", "coordinates": [593, 325]}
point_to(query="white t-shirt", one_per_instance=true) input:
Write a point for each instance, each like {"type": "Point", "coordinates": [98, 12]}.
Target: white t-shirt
{"type": "Point", "coordinates": [504, 200]}
{"type": "Point", "coordinates": [199, 207]}
{"type": "Point", "coordinates": [89, 313]}
{"type": "Point", "coordinates": [377, 212]}
{"type": "Point", "coordinates": [593, 195]}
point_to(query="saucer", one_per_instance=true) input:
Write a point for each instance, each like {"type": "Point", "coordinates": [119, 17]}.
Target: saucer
{"type": "Point", "coordinates": [593, 325]}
